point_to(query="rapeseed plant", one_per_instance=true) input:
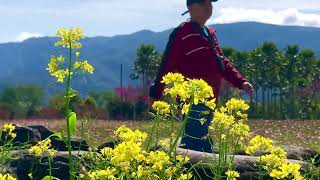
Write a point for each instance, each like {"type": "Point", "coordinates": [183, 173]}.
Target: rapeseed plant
{"type": "Point", "coordinates": [228, 125]}
{"type": "Point", "coordinates": [273, 159]}
{"type": "Point", "coordinates": [43, 148]}
{"type": "Point", "coordinates": [62, 70]}
{"type": "Point", "coordinates": [129, 160]}
{"type": "Point", "coordinates": [9, 128]}
{"type": "Point", "coordinates": [7, 136]}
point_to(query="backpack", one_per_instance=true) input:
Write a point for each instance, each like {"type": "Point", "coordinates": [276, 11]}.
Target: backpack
{"type": "Point", "coordinates": [156, 83]}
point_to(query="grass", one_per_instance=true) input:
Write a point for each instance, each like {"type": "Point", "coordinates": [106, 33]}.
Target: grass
{"type": "Point", "coordinates": [283, 132]}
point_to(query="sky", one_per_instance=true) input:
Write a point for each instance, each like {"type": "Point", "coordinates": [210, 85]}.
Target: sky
{"type": "Point", "coordinates": [22, 19]}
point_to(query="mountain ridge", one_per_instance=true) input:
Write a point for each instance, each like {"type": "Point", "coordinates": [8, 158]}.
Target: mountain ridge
{"type": "Point", "coordinates": [25, 62]}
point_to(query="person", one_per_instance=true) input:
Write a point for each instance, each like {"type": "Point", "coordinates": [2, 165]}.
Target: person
{"type": "Point", "coordinates": [193, 51]}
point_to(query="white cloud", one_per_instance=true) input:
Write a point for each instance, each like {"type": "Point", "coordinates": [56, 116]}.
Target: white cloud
{"type": "Point", "coordinates": [26, 35]}
{"type": "Point", "coordinates": [113, 17]}
{"type": "Point", "coordinates": [290, 16]}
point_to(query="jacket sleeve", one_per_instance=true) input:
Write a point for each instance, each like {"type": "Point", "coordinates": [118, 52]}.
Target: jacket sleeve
{"type": "Point", "coordinates": [171, 63]}
{"type": "Point", "coordinates": [230, 73]}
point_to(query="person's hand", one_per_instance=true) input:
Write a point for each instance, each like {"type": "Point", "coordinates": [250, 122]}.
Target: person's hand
{"type": "Point", "coordinates": [247, 87]}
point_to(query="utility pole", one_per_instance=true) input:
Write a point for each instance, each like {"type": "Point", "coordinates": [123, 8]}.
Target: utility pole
{"type": "Point", "coordinates": [121, 93]}
{"type": "Point", "coordinates": [121, 86]}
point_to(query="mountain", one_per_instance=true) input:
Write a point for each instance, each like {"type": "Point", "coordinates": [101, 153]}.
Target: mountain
{"type": "Point", "coordinates": [26, 62]}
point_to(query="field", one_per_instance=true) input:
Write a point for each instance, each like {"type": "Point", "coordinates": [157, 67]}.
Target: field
{"type": "Point", "coordinates": [286, 132]}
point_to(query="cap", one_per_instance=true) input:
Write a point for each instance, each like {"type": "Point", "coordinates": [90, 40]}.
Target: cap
{"type": "Point", "coordinates": [189, 2]}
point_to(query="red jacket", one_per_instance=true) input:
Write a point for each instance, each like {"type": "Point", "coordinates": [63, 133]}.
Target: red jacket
{"type": "Point", "coordinates": [192, 55]}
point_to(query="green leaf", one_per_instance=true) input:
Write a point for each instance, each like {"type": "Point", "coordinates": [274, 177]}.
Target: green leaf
{"type": "Point", "coordinates": [50, 178]}
{"type": "Point", "coordinates": [72, 93]}
{"type": "Point", "coordinates": [59, 135]}
{"type": "Point", "coordinates": [72, 122]}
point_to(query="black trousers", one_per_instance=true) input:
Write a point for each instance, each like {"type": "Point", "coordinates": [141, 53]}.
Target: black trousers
{"type": "Point", "coordinates": [195, 135]}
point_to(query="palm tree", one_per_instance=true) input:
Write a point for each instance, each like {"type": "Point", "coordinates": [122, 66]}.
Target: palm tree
{"type": "Point", "coordinates": [146, 64]}
{"type": "Point", "coordinates": [255, 71]}
{"type": "Point", "coordinates": [291, 54]}
{"type": "Point", "coordinates": [272, 61]}
{"type": "Point", "coordinates": [305, 76]}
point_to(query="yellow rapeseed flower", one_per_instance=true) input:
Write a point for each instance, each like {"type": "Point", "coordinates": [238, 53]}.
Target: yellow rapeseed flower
{"type": "Point", "coordinates": [277, 174]}
{"type": "Point", "coordinates": [271, 162]}
{"type": "Point", "coordinates": [60, 75]}
{"type": "Point", "coordinates": [199, 90]}
{"type": "Point", "coordinates": [287, 169]}
{"type": "Point", "coordinates": [36, 151]}
{"type": "Point", "coordinates": [172, 78]}
{"type": "Point", "coordinates": [278, 151]}
{"type": "Point", "coordinates": [222, 122]}
{"type": "Point", "coordinates": [170, 171]}
{"type": "Point", "coordinates": [86, 67]}
{"type": "Point", "coordinates": [275, 163]}
{"type": "Point", "coordinates": [106, 174]}
{"type": "Point", "coordinates": [259, 145]}
{"type": "Point", "coordinates": [43, 148]}
{"type": "Point", "coordinates": [241, 116]}
{"type": "Point", "coordinates": [69, 38]}
{"type": "Point", "coordinates": [185, 108]}
{"type": "Point", "coordinates": [185, 176]}
{"type": "Point", "coordinates": [6, 177]}
{"type": "Point", "coordinates": [235, 105]}
{"type": "Point", "coordinates": [178, 90]}
{"type": "Point", "coordinates": [182, 159]}
{"type": "Point", "coordinates": [130, 149]}
{"type": "Point", "coordinates": [9, 128]}
{"type": "Point", "coordinates": [53, 65]}
{"type": "Point", "coordinates": [124, 153]}
{"type": "Point", "coordinates": [177, 86]}
{"type": "Point", "coordinates": [143, 172]}
{"type": "Point", "coordinates": [158, 160]}
{"type": "Point", "coordinates": [60, 59]}
{"type": "Point", "coordinates": [211, 104]}
{"type": "Point", "coordinates": [106, 152]}
{"type": "Point", "coordinates": [141, 157]}
{"type": "Point", "coordinates": [202, 121]}
{"type": "Point", "coordinates": [77, 65]}
{"type": "Point", "coordinates": [126, 134]}
{"type": "Point", "coordinates": [165, 143]}
{"type": "Point", "coordinates": [161, 107]}
{"type": "Point", "coordinates": [240, 131]}
{"type": "Point", "coordinates": [232, 175]}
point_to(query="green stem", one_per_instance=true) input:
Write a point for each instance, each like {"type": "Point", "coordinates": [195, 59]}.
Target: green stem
{"type": "Point", "coordinates": [50, 168]}
{"type": "Point", "coordinates": [218, 173]}
{"type": "Point", "coordinates": [260, 177]}
{"type": "Point", "coordinates": [172, 126]}
{"type": "Point", "coordinates": [157, 132]}
{"type": "Point", "coordinates": [151, 134]}
{"type": "Point", "coordinates": [233, 154]}
{"type": "Point", "coordinates": [68, 114]}
{"type": "Point", "coordinates": [181, 129]}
